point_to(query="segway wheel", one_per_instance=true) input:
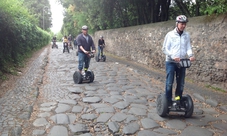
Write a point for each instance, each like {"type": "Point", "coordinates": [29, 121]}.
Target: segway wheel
{"type": "Point", "coordinates": [104, 57]}
{"type": "Point", "coordinates": [96, 58]}
{"type": "Point", "coordinates": [77, 77]}
{"type": "Point", "coordinates": [188, 104]}
{"type": "Point", "coordinates": [162, 105]}
{"type": "Point", "coordinates": [90, 76]}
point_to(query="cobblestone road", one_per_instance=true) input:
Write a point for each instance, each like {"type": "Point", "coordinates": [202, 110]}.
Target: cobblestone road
{"type": "Point", "coordinates": [120, 101]}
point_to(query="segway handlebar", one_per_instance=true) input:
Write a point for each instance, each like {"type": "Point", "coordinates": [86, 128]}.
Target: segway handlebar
{"type": "Point", "coordinates": [91, 54]}
{"type": "Point", "coordinates": [184, 63]}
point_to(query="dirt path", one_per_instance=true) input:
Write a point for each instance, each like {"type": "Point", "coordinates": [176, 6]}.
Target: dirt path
{"type": "Point", "coordinates": [8, 84]}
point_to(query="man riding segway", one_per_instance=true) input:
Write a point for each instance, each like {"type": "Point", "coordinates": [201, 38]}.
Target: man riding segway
{"type": "Point", "coordinates": [177, 49]}
{"type": "Point", "coordinates": [85, 43]}
{"type": "Point", "coordinates": [101, 45]}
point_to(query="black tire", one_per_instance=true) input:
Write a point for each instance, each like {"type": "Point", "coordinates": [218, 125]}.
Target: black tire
{"type": "Point", "coordinates": [162, 105]}
{"type": "Point", "coordinates": [96, 58]}
{"type": "Point", "coordinates": [91, 76]}
{"type": "Point", "coordinates": [77, 77]}
{"type": "Point", "coordinates": [188, 104]}
{"type": "Point", "coordinates": [104, 58]}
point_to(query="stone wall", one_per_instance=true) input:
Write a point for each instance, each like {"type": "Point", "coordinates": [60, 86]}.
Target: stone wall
{"type": "Point", "coordinates": [143, 44]}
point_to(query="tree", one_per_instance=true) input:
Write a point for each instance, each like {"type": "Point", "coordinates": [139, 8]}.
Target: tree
{"type": "Point", "coordinates": [41, 10]}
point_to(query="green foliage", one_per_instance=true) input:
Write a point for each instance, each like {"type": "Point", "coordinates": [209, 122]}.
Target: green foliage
{"type": "Point", "coordinates": [216, 7]}
{"type": "Point", "coordinates": [19, 35]}
{"type": "Point", "coordinates": [41, 10]}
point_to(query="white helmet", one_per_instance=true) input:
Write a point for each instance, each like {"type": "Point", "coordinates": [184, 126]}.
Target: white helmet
{"type": "Point", "coordinates": [181, 19]}
{"type": "Point", "coordinates": [101, 36]}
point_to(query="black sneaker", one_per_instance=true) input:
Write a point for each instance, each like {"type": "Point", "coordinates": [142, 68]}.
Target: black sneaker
{"type": "Point", "coordinates": [169, 103]}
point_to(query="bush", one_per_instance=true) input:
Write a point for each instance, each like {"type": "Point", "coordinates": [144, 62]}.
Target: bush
{"type": "Point", "coordinates": [19, 35]}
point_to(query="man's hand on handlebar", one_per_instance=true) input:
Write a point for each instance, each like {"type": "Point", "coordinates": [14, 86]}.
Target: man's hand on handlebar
{"type": "Point", "coordinates": [192, 58]}
{"type": "Point", "coordinates": [177, 59]}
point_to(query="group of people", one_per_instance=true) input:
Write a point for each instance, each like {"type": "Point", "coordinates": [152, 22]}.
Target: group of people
{"type": "Point", "coordinates": [176, 46]}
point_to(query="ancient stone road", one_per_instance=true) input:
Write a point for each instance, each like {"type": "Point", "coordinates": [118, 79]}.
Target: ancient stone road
{"type": "Point", "coordinates": [120, 101]}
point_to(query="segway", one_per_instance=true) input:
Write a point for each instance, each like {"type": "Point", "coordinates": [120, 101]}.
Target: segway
{"type": "Point", "coordinates": [103, 58]}
{"type": "Point", "coordinates": [87, 77]}
{"type": "Point", "coordinates": [184, 104]}
{"type": "Point", "coordinates": [65, 47]}
{"type": "Point", "coordinates": [54, 45]}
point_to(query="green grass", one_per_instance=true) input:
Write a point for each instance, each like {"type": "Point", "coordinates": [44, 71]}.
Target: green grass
{"type": "Point", "coordinates": [215, 88]}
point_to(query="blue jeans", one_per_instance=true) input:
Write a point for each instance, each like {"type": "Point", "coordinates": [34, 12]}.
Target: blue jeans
{"type": "Point", "coordinates": [171, 71]}
{"type": "Point", "coordinates": [100, 49]}
{"type": "Point", "coordinates": [84, 61]}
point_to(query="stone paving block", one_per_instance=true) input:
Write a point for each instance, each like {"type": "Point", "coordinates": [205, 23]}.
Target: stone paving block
{"type": "Point", "coordinates": [165, 131]}
{"type": "Point", "coordinates": [196, 131]}
{"type": "Point", "coordinates": [16, 131]}
{"type": "Point", "coordinates": [79, 128]}
{"type": "Point", "coordinates": [113, 127]}
{"type": "Point", "coordinates": [62, 108]}
{"type": "Point", "coordinates": [149, 123]}
{"type": "Point", "coordinates": [146, 133]}
{"type": "Point", "coordinates": [138, 111]}
{"type": "Point", "coordinates": [224, 108]}
{"type": "Point", "coordinates": [72, 118]}
{"type": "Point", "coordinates": [91, 99]}
{"type": "Point", "coordinates": [99, 105]}
{"type": "Point", "coordinates": [223, 117]}
{"type": "Point", "coordinates": [211, 102]}
{"type": "Point", "coordinates": [105, 109]}
{"type": "Point", "coordinates": [176, 124]}
{"type": "Point", "coordinates": [76, 90]}
{"type": "Point", "coordinates": [121, 105]}
{"type": "Point", "coordinates": [110, 100]}
{"type": "Point", "coordinates": [202, 120]}
{"type": "Point", "coordinates": [104, 117]}
{"type": "Point", "coordinates": [58, 131]}
{"type": "Point", "coordinates": [44, 114]}
{"type": "Point", "coordinates": [88, 116]}
{"type": "Point", "coordinates": [209, 111]}
{"type": "Point", "coordinates": [118, 117]}
{"type": "Point", "coordinates": [139, 106]}
{"type": "Point", "coordinates": [131, 129]}
{"type": "Point", "coordinates": [220, 126]}
{"type": "Point", "coordinates": [77, 109]}
{"type": "Point", "coordinates": [156, 117]}
{"type": "Point", "coordinates": [87, 134]}
{"type": "Point", "coordinates": [130, 118]}
{"type": "Point", "coordinates": [62, 119]}
{"type": "Point", "coordinates": [199, 97]}
{"type": "Point", "coordinates": [38, 132]}
{"type": "Point", "coordinates": [119, 97]}
{"type": "Point", "coordinates": [90, 88]}
{"type": "Point", "coordinates": [48, 104]}
{"type": "Point", "coordinates": [40, 122]}
{"type": "Point", "coordinates": [73, 102]}
{"type": "Point", "coordinates": [47, 109]}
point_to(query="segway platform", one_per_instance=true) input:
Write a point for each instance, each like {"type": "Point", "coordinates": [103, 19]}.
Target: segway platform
{"type": "Point", "coordinates": [184, 105]}
{"type": "Point", "coordinates": [87, 77]}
